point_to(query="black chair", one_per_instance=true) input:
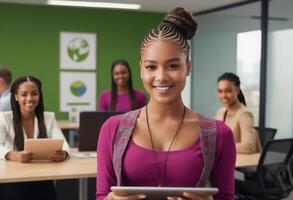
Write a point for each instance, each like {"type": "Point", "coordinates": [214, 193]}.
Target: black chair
{"type": "Point", "coordinates": [268, 134]}
{"type": "Point", "coordinates": [273, 174]}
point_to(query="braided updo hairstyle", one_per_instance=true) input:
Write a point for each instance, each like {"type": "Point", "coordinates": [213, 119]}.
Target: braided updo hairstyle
{"type": "Point", "coordinates": [178, 26]}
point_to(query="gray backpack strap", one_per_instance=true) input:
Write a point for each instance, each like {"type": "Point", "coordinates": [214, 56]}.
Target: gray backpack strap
{"type": "Point", "coordinates": [208, 136]}
{"type": "Point", "coordinates": [126, 125]}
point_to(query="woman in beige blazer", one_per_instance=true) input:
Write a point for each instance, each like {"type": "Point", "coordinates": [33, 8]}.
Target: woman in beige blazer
{"type": "Point", "coordinates": [235, 114]}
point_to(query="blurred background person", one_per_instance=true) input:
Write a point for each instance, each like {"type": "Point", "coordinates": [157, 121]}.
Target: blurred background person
{"type": "Point", "coordinates": [236, 115]}
{"type": "Point", "coordinates": [5, 80]}
{"type": "Point", "coordinates": [28, 120]}
{"type": "Point", "coordinates": [122, 97]}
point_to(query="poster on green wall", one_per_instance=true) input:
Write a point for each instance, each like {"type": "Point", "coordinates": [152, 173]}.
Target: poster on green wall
{"type": "Point", "coordinates": [77, 51]}
{"type": "Point", "coordinates": [78, 91]}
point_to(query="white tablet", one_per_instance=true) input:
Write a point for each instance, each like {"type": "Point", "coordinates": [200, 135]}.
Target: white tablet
{"type": "Point", "coordinates": [42, 147]}
{"type": "Point", "coordinates": [162, 192]}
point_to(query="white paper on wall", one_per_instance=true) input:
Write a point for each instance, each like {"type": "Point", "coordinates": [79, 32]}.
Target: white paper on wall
{"type": "Point", "coordinates": [77, 51]}
{"type": "Point", "coordinates": [77, 90]}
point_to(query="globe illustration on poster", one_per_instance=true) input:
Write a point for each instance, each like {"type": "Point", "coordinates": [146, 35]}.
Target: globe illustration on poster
{"type": "Point", "coordinates": [78, 49]}
{"type": "Point", "coordinates": [78, 88]}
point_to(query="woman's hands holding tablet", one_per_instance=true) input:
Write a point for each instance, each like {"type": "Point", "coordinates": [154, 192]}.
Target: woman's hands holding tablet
{"type": "Point", "coordinates": [159, 193]}
{"type": "Point", "coordinates": [191, 196]}
{"type": "Point", "coordinates": [188, 195]}
{"type": "Point", "coordinates": [115, 196]}
{"type": "Point", "coordinates": [19, 156]}
{"type": "Point", "coordinates": [27, 156]}
{"type": "Point", "coordinates": [58, 156]}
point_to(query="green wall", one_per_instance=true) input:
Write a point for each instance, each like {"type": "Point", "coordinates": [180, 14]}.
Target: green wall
{"type": "Point", "coordinates": [29, 42]}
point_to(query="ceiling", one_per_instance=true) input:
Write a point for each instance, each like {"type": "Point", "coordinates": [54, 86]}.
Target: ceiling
{"type": "Point", "coordinates": [153, 5]}
{"type": "Point", "coordinates": [278, 8]}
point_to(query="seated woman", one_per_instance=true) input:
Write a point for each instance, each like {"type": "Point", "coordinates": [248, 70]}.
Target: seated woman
{"type": "Point", "coordinates": [27, 120]}
{"type": "Point", "coordinates": [235, 114]}
{"type": "Point", "coordinates": [122, 97]}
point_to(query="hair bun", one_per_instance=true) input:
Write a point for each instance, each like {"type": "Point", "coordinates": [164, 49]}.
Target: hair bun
{"type": "Point", "coordinates": [183, 20]}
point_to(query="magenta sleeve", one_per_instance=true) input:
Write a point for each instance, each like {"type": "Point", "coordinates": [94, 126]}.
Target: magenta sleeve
{"type": "Point", "coordinates": [222, 175]}
{"type": "Point", "coordinates": [141, 99]}
{"type": "Point", "coordinates": [103, 103]}
{"type": "Point", "coordinates": [105, 171]}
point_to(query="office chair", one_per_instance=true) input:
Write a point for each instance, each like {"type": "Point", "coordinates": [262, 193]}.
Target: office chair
{"type": "Point", "coordinates": [269, 134]}
{"type": "Point", "coordinates": [273, 174]}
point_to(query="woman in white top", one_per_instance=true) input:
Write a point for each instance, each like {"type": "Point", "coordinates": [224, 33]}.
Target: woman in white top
{"type": "Point", "coordinates": [27, 120]}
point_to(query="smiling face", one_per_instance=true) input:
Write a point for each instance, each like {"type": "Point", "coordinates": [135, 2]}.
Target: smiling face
{"type": "Point", "coordinates": [28, 97]}
{"type": "Point", "coordinates": [120, 75]}
{"type": "Point", "coordinates": [227, 92]}
{"type": "Point", "coordinates": [163, 69]}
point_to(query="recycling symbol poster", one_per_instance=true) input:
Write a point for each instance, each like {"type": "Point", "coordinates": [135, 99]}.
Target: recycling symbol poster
{"type": "Point", "coordinates": [77, 51]}
{"type": "Point", "coordinates": [77, 87]}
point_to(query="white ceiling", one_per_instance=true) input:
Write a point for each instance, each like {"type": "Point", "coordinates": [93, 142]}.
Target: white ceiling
{"type": "Point", "coordinates": [278, 8]}
{"type": "Point", "coordinates": [154, 5]}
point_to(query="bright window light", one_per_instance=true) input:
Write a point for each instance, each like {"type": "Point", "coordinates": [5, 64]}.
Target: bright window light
{"type": "Point", "coordinates": [248, 68]}
{"type": "Point", "coordinates": [94, 4]}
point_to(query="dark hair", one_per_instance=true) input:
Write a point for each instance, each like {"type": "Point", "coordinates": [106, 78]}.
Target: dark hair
{"type": "Point", "coordinates": [114, 92]}
{"type": "Point", "coordinates": [6, 74]}
{"type": "Point", "coordinates": [39, 112]}
{"type": "Point", "coordinates": [236, 81]}
{"type": "Point", "coordinates": [178, 26]}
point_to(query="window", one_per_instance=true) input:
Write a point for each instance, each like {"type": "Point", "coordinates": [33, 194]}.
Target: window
{"type": "Point", "coordinates": [248, 68]}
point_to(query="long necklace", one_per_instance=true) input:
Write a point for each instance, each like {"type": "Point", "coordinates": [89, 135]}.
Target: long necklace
{"type": "Point", "coordinates": [160, 178]}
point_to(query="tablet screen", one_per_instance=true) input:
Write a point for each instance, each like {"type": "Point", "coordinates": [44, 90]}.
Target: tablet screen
{"type": "Point", "coordinates": [42, 147]}
{"type": "Point", "coordinates": [163, 192]}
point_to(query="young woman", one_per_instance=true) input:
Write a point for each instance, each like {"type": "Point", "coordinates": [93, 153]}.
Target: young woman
{"type": "Point", "coordinates": [165, 143]}
{"type": "Point", "coordinates": [27, 120]}
{"type": "Point", "coordinates": [122, 97]}
{"type": "Point", "coordinates": [235, 114]}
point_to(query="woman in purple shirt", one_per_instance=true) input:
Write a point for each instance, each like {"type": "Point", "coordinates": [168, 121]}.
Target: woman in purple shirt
{"type": "Point", "coordinates": [122, 97]}
{"type": "Point", "coordinates": [168, 144]}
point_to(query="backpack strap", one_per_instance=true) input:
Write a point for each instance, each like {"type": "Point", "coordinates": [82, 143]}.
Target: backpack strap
{"type": "Point", "coordinates": [126, 125]}
{"type": "Point", "coordinates": [208, 135]}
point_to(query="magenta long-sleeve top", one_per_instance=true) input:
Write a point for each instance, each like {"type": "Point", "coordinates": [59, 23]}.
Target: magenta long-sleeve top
{"type": "Point", "coordinates": [123, 103]}
{"type": "Point", "coordinates": [183, 168]}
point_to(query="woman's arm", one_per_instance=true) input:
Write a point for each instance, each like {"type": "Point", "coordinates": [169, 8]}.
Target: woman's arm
{"type": "Point", "coordinates": [104, 101]}
{"type": "Point", "coordinates": [222, 175]}
{"type": "Point", "coordinates": [7, 153]}
{"type": "Point", "coordinates": [141, 99]}
{"type": "Point", "coordinates": [105, 171]}
{"type": "Point", "coordinates": [56, 133]}
{"type": "Point", "coordinates": [19, 156]}
{"type": "Point", "coordinates": [247, 134]}
{"type": "Point", "coordinates": [4, 132]}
